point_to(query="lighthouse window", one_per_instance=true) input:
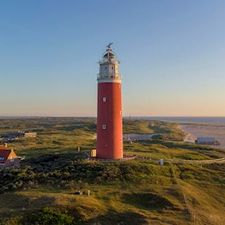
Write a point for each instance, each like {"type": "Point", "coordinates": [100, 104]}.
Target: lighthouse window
{"type": "Point", "coordinates": [104, 99]}
{"type": "Point", "coordinates": [103, 126]}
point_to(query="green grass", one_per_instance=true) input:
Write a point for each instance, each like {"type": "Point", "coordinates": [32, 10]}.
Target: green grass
{"type": "Point", "coordinates": [138, 191]}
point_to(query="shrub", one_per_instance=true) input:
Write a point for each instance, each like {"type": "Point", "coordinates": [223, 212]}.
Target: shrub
{"type": "Point", "coordinates": [51, 216]}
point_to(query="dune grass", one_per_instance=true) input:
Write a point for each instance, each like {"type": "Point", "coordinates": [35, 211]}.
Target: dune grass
{"type": "Point", "coordinates": [139, 191]}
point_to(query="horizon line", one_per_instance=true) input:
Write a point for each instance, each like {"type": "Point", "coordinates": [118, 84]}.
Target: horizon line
{"type": "Point", "coordinates": [91, 116]}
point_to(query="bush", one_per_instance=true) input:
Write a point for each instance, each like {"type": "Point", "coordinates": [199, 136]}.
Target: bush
{"type": "Point", "coordinates": [11, 221]}
{"type": "Point", "coordinates": [51, 216]}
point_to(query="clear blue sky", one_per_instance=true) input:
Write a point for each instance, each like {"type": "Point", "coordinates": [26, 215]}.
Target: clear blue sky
{"type": "Point", "coordinates": [172, 55]}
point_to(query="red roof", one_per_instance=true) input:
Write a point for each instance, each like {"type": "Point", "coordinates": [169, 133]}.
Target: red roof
{"type": "Point", "coordinates": [5, 154]}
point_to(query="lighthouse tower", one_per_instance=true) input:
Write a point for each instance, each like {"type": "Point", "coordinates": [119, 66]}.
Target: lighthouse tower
{"type": "Point", "coordinates": [109, 118]}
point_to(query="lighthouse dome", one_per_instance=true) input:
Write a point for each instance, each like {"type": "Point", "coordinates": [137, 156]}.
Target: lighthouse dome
{"type": "Point", "coordinates": [109, 56]}
{"type": "Point", "coordinates": [109, 66]}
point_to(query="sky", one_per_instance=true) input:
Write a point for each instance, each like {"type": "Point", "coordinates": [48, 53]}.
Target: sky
{"type": "Point", "coordinates": [172, 55]}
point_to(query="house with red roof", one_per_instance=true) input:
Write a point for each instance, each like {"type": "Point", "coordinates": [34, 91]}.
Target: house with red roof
{"type": "Point", "coordinates": [8, 157]}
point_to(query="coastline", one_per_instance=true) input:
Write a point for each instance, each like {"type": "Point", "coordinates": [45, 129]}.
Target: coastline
{"type": "Point", "coordinates": [194, 130]}
{"type": "Point", "coordinates": [189, 137]}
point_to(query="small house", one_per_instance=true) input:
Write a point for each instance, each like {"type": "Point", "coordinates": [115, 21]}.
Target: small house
{"type": "Point", "coordinates": [30, 134]}
{"type": "Point", "coordinates": [8, 157]}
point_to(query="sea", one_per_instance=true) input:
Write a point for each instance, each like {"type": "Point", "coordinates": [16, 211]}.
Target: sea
{"type": "Point", "coordinates": [199, 120]}
{"type": "Point", "coordinates": [195, 127]}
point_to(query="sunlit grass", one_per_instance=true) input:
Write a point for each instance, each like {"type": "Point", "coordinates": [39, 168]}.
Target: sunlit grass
{"type": "Point", "coordinates": [138, 191]}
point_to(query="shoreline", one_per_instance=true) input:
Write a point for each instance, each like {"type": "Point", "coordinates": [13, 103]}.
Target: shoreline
{"type": "Point", "coordinates": [195, 130]}
{"type": "Point", "coordinates": [189, 137]}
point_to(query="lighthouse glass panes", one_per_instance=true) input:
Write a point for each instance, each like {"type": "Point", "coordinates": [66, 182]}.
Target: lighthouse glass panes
{"type": "Point", "coordinates": [109, 115]}
{"type": "Point", "coordinates": [109, 66]}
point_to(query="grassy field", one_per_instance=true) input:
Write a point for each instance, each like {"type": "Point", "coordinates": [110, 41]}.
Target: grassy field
{"type": "Point", "coordinates": [139, 191]}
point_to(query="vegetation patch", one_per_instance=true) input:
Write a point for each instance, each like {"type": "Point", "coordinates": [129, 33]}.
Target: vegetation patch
{"type": "Point", "coordinates": [60, 171]}
{"type": "Point", "coordinates": [148, 201]}
{"type": "Point", "coordinates": [56, 184]}
{"type": "Point", "coordinates": [46, 216]}
{"type": "Point", "coordinates": [123, 218]}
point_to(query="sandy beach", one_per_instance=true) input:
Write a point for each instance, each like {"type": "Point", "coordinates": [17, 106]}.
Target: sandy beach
{"type": "Point", "coordinates": [196, 130]}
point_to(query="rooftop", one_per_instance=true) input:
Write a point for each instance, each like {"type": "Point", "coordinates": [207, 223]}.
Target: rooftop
{"type": "Point", "coordinates": [109, 55]}
{"type": "Point", "coordinates": [6, 154]}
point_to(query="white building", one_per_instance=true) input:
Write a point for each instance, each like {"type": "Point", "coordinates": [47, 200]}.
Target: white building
{"type": "Point", "coordinates": [30, 134]}
{"type": "Point", "coordinates": [206, 141]}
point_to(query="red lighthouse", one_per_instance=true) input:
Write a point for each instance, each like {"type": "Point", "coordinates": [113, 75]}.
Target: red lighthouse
{"type": "Point", "coordinates": [109, 118]}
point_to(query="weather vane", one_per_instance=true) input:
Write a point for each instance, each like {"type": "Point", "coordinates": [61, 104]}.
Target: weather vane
{"type": "Point", "coordinates": [109, 45]}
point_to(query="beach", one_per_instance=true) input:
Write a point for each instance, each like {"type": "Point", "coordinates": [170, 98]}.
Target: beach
{"type": "Point", "coordinates": [193, 131]}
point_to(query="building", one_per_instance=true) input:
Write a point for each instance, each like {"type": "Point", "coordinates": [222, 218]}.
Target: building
{"type": "Point", "coordinates": [8, 157]}
{"type": "Point", "coordinates": [93, 153]}
{"type": "Point", "coordinates": [109, 115]}
{"type": "Point", "coordinates": [30, 134]}
{"type": "Point", "coordinates": [11, 136]}
{"type": "Point", "coordinates": [16, 135]}
{"type": "Point", "coordinates": [206, 141]}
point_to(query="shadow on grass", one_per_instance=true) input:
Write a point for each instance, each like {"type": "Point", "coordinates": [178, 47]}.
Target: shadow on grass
{"type": "Point", "coordinates": [14, 203]}
{"type": "Point", "coordinates": [148, 201]}
{"type": "Point", "coordinates": [43, 210]}
{"type": "Point", "coordinates": [114, 218]}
